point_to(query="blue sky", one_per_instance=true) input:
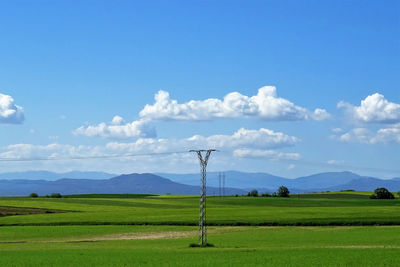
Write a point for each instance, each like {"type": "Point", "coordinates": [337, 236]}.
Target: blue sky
{"type": "Point", "coordinates": [75, 66]}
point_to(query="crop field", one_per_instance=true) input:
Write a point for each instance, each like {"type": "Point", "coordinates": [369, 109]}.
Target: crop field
{"type": "Point", "coordinates": [137, 230]}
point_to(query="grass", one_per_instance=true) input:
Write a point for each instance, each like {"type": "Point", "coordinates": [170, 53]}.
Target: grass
{"type": "Point", "coordinates": [152, 230]}
{"type": "Point", "coordinates": [161, 210]}
{"type": "Point", "coordinates": [249, 246]}
{"type": "Point", "coordinates": [109, 196]}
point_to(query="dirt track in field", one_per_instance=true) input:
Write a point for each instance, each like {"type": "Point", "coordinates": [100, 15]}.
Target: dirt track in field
{"type": "Point", "coordinates": [143, 236]}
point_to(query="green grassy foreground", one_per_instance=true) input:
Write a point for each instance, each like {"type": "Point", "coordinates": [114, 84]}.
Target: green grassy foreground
{"type": "Point", "coordinates": [244, 246]}
{"type": "Point", "coordinates": [183, 210]}
{"type": "Point", "coordinates": [148, 230]}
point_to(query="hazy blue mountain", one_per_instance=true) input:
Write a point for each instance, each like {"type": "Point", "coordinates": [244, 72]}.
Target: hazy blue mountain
{"type": "Point", "coordinates": [369, 184]}
{"type": "Point", "coordinates": [322, 180]}
{"type": "Point", "coordinates": [236, 183]}
{"type": "Point", "coordinates": [123, 184]}
{"type": "Point", "coordinates": [52, 176]}
{"type": "Point", "coordinates": [234, 179]}
{"type": "Point", "coordinates": [268, 183]}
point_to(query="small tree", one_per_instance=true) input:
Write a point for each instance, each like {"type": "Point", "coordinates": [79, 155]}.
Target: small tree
{"type": "Point", "coordinates": [382, 193]}
{"type": "Point", "coordinates": [253, 193]}
{"type": "Point", "coordinates": [55, 195]}
{"type": "Point", "coordinates": [283, 191]}
{"type": "Point", "coordinates": [33, 195]}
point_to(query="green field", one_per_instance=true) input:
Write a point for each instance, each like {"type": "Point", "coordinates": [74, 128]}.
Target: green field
{"type": "Point", "coordinates": [336, 229]}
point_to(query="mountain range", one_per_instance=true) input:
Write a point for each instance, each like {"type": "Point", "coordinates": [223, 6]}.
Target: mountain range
{"type": "Point", "coordinates": [145, 183]}
{"type": "Point", "coordinates": [264, 182]}
{"type": "Point", "coordinates": [43, 182]}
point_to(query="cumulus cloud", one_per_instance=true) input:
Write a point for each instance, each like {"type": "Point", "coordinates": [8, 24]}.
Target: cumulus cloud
{"type": "Point", "coordinates": [390, 134]}
{"type": "Point", "coordinates": [373, 109]}
{"type": "Point", "coordinates": [29, 151]}
{"type": "Point", "coordinates": [243, 138]}
{"type": "Point", "coordinates": [268, 154]}
{"type": "Point", "coordinates": [230, 145]}
{"type": "Point", "coordinates": [10, 112]}
{"type": "Point", "coordinates": [237, 143]}
{"type": "Point", "coordinates": [118, 129]}
{"type": "Point", "coordinates": [265, 105]}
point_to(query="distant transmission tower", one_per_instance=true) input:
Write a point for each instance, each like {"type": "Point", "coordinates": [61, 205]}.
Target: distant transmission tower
{"type": "Point", "coordinates": [219, 180]}
{"type": "Point", "coordinates": [223, 184]}
{"type": "Point", "coordinates": [203, 188]}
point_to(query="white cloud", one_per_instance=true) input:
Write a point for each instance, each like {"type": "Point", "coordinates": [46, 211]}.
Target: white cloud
{"type": "Point", "coordinates": [268, 154]}
{"type": "Point", "coordinates": [291, 167]}
{"type": "Point", "coordinates": [362, 135]}
{"type": "Point", "coordinates": [10, 112]}
{"type": "Point", "coordinates": [320, 115]}
{"type": "Point", "coordinates": [390, 134]}
{"type": "Point", "coordinates": [29, 151]}
{"type": "Point", "coordinates": [243, 138]}
{"type": "Point", "coordinates": [337, 130]}
{"type": "Point", "coordinates": [118, 129]}
{"type": "Point", "coordinates": [265, 105]}
{"type": "Point", "coordinates": [373, 109]}
{"type": "Point", "coordinates": [239, 141]}
{"type": "Point", "coordinates": [334, 162]}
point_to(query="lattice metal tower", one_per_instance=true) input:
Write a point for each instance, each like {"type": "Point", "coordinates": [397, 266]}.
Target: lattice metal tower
{"type": "Point", "coordinates": [203, 188]}
{"type": "Point", "coordinates": [223, 184]}
{"type": "Point", "coordinates": [219, 180]}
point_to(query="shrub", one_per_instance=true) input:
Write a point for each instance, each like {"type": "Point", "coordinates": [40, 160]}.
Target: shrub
{"type": "Point", "coordinates": [253, 193]}
{"type": "Point", "coordinates": [33, 195]}
{"type": "Point", "coordinates": [55, 195]}
{"type": "Point", "coordinates": [283, 191]}
{"type": "Point", "coordinates": [266, 195]}
{"type": "Point", "coordinates": [382, 193]}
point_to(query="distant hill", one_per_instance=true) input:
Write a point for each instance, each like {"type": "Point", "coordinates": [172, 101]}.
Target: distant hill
{"type": "Point", "coordinates": [123, 184]}
{"type": "Point", "coordinates": [264, 182]}
{"type": "Point", "coordinates": [234, 179]}
{"type": "Point", "coordinates": [163, 183]}
{"type": "Point", "coordinates": [369, 184]}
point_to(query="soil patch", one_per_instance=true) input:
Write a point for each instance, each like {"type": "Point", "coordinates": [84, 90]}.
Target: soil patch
{"type": "Point", "coordinates": [12, 211]}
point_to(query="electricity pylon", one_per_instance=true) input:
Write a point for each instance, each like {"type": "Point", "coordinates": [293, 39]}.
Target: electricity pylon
{"type": "Point", "coordinates": [220, 188]}
{"type": "Point", "coordinates": [203, 188]}
{"type": "Point", "coordinates": [223, 184]}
